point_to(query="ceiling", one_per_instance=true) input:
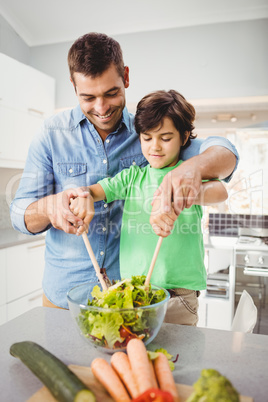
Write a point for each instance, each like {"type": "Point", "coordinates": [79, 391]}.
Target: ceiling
{"type": "Point", "coordinates": [51, 21]}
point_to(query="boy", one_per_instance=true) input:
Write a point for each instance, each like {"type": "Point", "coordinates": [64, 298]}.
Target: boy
{"type": "Point", "coordinates": [164, 122]}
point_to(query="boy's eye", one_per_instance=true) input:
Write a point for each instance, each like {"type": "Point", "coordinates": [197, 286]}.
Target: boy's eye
{"type": "Point", "coordinates": [146, 138]}
{"type": "Point", "coordinates": [166, 139]}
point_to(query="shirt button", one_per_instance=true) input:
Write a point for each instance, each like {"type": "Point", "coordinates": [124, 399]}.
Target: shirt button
{"type": "Point", "coordinates": [71, 170]}
{"type": "Point", "coordinates": [105, 205]}
{"type": "Point", "coordinates": [104, 161]}
{"type": "Point", "coordinates": [104, 229]}
{"type": "Point", "coordinates": [133, 163]}
{"type": "Point", "coordinates": [108, 141]}
{"type": "Point", "coordinates": [102, 252]}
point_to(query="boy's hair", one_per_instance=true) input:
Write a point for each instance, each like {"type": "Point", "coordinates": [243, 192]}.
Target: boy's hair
{"type": "Point", "coordinates": [153, 107]}
{"type": "Point", "coordinates": [92, 54]}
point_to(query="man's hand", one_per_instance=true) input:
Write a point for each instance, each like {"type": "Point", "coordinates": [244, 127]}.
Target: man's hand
{"type": "Point", "coordinates": [180, 186]}
{"type": "Point", "coordinates": [83, 207]}
{"type": "Point", "coordinates": [162, 222]}
{"type": "Point", "coordinates": [55, 210]}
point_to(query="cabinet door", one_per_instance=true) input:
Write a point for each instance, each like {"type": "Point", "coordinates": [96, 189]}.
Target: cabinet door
{"type": "Point", "coordinates": [25, 88]}
{"type": "Point", "coordinates": [25, 265]}
{"type": "Point", "coordinates": [3, 314]}
{"type": "Point", "coordinates": [219, 315]}
{"type": "Point", "coordinates": [24, 304]}
{"type": "Point", "coordinates": [17, 130]}
{"type": "Point", "coordinates": [2, 277]}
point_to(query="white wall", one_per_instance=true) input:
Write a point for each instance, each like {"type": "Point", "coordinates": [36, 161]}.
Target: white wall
{"type": "Point", "coordinates": [11, 44]}
{"type": "Point", "coordinates": [206, 61]}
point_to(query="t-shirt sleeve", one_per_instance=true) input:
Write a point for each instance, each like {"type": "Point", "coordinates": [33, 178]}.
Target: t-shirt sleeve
{"type": "Point", "coordinates": [116, 188]}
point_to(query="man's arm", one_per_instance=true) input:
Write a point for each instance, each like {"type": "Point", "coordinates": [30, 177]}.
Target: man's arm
{"type": "Point", "coordinates": [54, 210]}
{"type": "Point", "coordinates": [183, 184]}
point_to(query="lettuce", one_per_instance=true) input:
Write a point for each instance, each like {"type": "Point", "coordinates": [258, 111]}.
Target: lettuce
{"type": "Point", "coordinates": [104, 326]}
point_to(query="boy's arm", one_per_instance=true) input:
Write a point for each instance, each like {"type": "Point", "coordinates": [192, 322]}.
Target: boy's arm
{"type": "Point", "coordinates": [211, 192]}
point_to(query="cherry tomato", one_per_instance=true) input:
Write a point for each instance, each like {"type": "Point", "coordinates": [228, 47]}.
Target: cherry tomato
{"type": "Point", "coordinates": [154, 395]}
{"type": "Point", "coordinates": [123, 332]}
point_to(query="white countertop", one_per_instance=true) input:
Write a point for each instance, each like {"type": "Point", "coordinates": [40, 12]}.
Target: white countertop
{"type": "Point", "coordinates": [222, 242]}
{"type": "Point", "coordinates": [241, 357]}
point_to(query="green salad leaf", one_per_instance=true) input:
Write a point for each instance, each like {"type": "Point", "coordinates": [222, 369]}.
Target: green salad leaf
{"type": "Point", "coordinates": [112, 328]}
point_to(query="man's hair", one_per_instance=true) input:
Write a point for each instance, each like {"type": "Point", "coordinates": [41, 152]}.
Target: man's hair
{"type": "Point", "coordinates": [154, 107]}
{"type": "Point", "coordinates": [92, 54]}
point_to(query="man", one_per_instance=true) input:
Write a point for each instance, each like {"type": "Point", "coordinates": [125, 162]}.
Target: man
{"type": "Point", "coordinates": [78, 147]}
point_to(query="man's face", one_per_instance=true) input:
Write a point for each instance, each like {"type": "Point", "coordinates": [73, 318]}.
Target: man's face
{"type": "Point", "coordinates": [102, 99]}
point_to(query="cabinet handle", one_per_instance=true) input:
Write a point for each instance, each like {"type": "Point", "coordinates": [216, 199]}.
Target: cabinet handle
{"type": "Point", "coordinates": [30, 109]}
{"type": "Point", "coordinates": [35, 297]}
{"type": "Point", "coordinates": [36, 246]}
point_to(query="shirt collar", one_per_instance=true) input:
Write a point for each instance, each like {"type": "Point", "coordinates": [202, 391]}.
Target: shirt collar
{"type": "Point", "coordinates": [79, 116]}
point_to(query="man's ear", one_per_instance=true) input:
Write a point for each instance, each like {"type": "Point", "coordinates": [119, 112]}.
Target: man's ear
{"type": "Point", "coordinates": [186, 137]}
{"type": "Point", "coordinates": [126, 77]}
{"type": "Point", "coordinates": [73, 84]}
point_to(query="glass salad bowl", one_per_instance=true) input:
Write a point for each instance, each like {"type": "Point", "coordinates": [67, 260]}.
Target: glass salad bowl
{"type": "Point", "coordinates": [109, 319]}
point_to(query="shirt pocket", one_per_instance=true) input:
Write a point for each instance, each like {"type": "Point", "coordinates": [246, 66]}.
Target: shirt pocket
{"type": "Point", "coordinates": [72, 174]}
{"type": "Point", "coordinates": [136, 160]}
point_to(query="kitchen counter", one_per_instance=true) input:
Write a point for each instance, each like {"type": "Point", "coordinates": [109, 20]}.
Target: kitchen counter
{"type": "Point", "coordinates": [11, 237]}
{"type": "Point", "coordinates": [241, 357]}
{"type": "Point", "coordinates": [222, 242]}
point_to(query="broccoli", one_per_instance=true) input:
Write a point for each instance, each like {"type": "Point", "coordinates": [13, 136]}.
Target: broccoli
{"type": "Point", "coordinates": [211, 387]}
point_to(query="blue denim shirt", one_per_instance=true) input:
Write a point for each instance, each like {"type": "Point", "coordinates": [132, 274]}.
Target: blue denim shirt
{"type": "Point", "coordinates": [68, 152]}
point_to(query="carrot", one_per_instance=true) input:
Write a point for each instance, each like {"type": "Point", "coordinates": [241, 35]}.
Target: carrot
{"type": "Point", "coordinates": [155, 385]}
{"type": "Point", "coordinates": [109, 379]}
{"type": "Point", "coordinates": [164, 376]}
{"type": "Point", "coordinates": [121, 365]}
{"type": "Point", "coordinates": [140, 364]}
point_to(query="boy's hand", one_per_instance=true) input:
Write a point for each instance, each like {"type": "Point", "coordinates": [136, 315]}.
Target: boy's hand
{"type": "Point", "coordinates": [84, 209]}
{"type": "Point", "coordinates": [162, 222]}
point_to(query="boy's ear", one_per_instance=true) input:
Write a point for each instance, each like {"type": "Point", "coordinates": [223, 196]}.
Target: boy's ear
{"type": "Point", "coordinates": [186, 137]}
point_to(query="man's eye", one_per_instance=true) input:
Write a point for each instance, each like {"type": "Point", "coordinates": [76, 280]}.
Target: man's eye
{"type": "Point", "coordinates": [146, 139]}
{"type": "Point", "coordinates": [88, 99]}
{"type": "Point", "coordinates": [111, 94]}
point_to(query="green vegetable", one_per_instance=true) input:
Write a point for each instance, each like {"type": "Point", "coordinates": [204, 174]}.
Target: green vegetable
{"type": "Point", "coordinates": [153, 355]}
{"type": "Point", "coordinates": [106, 328]}
{"type": "Point", "coordinates": [211, 387]}
{"type": "Point", "coordinates": [63, 384]}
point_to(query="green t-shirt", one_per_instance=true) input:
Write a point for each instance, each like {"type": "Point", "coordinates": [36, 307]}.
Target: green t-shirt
{"type": "Point", "coordinates": [180, 262]}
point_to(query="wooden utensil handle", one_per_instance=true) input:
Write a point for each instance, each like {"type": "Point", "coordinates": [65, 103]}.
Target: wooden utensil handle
{"type": "Point", "coordinates": [94, 261]}
{"type": "Point", "coordinates": [156, 251]}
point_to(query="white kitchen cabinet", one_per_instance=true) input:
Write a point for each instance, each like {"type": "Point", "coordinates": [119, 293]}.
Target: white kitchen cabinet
{"type": "Point", "coordinates": [25, 265]}
{"type": "Point", "coordinates": [3, 311]}
{"type": "Point", "coordinates": [23, 304]}
{"type": "Point", "coordinates": [2, 277]}
{"type": "Point", "coordinates": [17, 129]}
{"type": "Point", "coordinates": [215, 310]}
{"type": "Point", "coordinates": [27, 97]}
{"type": "Point", "coordinates": [215, 313]}
{"type": "Point", "coordinates": [25, 88]}
{"type": "Point", "coordinates": [21, 273]}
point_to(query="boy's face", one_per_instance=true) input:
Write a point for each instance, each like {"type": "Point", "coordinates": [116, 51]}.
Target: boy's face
{"type": "Point", "coordinates": [102, 99]}
{"type": "Point", "coordinates": [161, 145]}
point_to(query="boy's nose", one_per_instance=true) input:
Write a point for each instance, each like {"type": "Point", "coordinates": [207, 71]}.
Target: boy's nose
{"type": "Point", "coordinates": [156, 145]}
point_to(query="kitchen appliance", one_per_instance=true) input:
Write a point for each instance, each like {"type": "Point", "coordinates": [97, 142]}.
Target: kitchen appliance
{"type": "Point", "coordinates": [251, 262]}
{"type": "Point", "coordinates": [218, 284]}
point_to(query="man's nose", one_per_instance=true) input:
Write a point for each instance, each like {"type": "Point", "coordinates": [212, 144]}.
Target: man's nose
{"type": "Point", "coordinates": [101, 106]}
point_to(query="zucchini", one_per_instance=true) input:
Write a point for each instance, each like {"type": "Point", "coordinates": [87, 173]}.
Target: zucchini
{"type": "Point", "coordinates": [63, 384]}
